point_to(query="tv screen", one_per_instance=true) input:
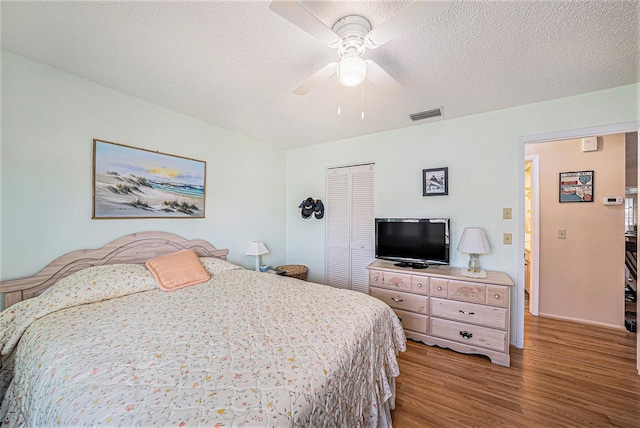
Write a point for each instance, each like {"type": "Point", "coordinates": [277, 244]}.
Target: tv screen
{"type": "Point", "coordinates": [415, 242]}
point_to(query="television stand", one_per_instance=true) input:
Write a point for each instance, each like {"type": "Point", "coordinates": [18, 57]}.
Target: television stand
{"type": "Point", "coordinates": [412, 265]}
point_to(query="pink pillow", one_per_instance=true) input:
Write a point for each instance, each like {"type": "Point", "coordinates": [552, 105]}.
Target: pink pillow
{"type": "Point", "coordinates": [177, 270]}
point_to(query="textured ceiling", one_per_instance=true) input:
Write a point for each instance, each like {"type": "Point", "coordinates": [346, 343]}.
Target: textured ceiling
{"type": "Point", "coordinates": [234, 64]}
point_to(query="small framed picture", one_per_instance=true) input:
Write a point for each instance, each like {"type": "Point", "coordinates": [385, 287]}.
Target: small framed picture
{"type": "Point", "coordinates": [435, 181]}
{"type": "Point", "coordinates": [576, 186]}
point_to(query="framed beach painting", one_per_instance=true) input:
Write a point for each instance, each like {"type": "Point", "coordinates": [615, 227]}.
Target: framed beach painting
{"type": "Point", "coordinates": [129, 182]}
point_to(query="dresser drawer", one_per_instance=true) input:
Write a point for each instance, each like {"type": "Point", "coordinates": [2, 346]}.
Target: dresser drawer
{"type": "Point", "coordinates": [439, 287]}
{"type": "Point", "coordinates": [390, 280]}
{"type": "Point", "coordinates": [467, 291]}
{"type": "Point", "coordinates": [487, 316]}
{"type": "Point", "coordinates": [413, 322]}
{"type": "Point", "coordinates": [376, 278]}
{"type": "Point", "coordinates": [399, 300]}
{"type": "Point", "coordinates": [498, 295]}
{"type": "Point", "coordinates": [420, 284]}
{"type": "Point", "coordinates": [399, 281]}
{"type": "Point", "coordinates": [470, 334]}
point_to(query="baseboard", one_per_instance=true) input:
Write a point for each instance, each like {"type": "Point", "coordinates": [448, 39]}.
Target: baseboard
{"type": "Point", "coordinates": [581, 321]}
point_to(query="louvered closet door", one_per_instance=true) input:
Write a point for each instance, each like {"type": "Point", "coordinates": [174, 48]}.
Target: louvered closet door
{"type": "Point", "coordinates": [337, 214]}
{"type": "Point", "coordinates": [362, 226]}
{"type": "Point", "coordinates": [350, 226]}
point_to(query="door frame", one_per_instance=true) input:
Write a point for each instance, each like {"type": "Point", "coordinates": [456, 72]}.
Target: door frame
{"type": "Point", "coordinates": [570, 134]}
{"type": "Point", "coordinates": [534, 264]}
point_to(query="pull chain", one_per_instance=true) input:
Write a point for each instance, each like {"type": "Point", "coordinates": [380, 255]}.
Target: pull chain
{"type": "Point", "coordinates": [339, 98]}
{"type": "Point", "coordinates": [362, 100]}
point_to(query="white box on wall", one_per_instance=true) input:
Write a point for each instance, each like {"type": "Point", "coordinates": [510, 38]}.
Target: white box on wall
{"type": "Point", "coordinates": [590, 144]}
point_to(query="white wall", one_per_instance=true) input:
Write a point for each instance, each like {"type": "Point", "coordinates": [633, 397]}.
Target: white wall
{"type": "Point", "coordinates": [485, 162]}
{"type": "Point", "coordinates": [49, 119]}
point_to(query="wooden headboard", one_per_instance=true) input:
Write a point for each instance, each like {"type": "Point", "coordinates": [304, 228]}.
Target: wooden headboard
{"type": "Point", "coordinates": [136, 248]}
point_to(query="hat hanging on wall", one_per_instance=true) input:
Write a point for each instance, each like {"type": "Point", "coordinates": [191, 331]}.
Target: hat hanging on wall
{"type": "Point", "coordinates": [306, 207]}
{"type": "Point", "coordinates": [318, 209]}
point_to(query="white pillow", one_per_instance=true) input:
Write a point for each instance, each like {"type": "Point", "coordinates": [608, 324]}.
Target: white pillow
{"type": "Point", "coordinates": [215, 265]}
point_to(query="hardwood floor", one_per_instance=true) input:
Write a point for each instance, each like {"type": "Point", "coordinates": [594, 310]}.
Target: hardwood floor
{"type": "Point", "coordinates": [568, 375]}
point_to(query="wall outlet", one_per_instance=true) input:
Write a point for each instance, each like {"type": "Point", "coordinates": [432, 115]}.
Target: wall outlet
{"type": "Point", "coordinates": [562, 233]}
{"type": "Point", "coordinates": [506, 239]}
{"type": "Point", "coordinates": [506, 213]}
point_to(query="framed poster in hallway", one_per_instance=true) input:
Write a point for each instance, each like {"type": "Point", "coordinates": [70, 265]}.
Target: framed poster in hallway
{"type": "Point", "coordinates": [576, 186]}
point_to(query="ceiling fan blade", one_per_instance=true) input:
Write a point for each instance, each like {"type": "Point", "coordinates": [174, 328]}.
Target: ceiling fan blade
{"type": "Point", "coordinates": [409, 17]}
{"type": "Point", "coordinates": [316, 79]}
{"type": "Point", "coordinates": [299, 16]}
{"type": "Point", "coordinates": [381, 78]}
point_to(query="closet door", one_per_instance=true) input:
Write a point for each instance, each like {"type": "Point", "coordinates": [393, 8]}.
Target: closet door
{"type": "Point", "coordinates": [350, 226]}
{"type": "Point", "coordinates": [337, 232]}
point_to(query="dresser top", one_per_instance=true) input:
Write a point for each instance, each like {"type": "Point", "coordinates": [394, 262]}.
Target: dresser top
{"type": "Point", "coordinates": [441, 271]}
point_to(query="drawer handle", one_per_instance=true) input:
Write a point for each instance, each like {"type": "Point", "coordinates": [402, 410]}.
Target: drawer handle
{"type": "Point", "coordinates": [419, 285]}
{"type": "Point", "coordinates": [439, 288]}
{"type": "Point", "coordinates": [496, 296]}
{"type": "Point", "coordinates": [397, 300]}
{"type": "Point", "coordinates": [465, 312]}
{"type": "Point", "coordinates": [466, 334]}
{"type": "Point", "coordinates": [375, 278]}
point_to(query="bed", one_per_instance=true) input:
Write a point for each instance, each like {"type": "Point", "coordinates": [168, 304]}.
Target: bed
{"type": "Point", "coordinates": [91, 340]}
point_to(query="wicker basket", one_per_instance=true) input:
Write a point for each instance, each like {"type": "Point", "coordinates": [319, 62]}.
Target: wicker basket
{"type": "Point", "coordinates": [294, 271]}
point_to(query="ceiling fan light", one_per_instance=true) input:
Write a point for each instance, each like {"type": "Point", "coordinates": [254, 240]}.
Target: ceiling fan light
{"type": "Point", "coordinates": [352, 71]}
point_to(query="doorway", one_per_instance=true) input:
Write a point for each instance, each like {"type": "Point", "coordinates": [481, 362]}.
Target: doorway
{"type": "Point", "coordinates": [534, 267]}
{"type": "Point", "coordinates": [534, 243]}
{"type": "Point", "coordinates": [631, 232]}
{"type": "Point", "coordinates": [581, 238]}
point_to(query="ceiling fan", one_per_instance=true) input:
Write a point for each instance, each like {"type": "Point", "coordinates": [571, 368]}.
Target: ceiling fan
{"type": "Point", "coordinates": [351, 36]}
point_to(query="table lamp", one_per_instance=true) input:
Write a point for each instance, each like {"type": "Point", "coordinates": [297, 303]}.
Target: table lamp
{"type": "Point", "coordinates": [257, 248]}
{"type": "Point", "coordinates": [474, 242]}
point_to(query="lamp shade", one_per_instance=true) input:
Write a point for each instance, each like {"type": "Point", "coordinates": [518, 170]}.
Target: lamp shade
{"type": "Point", "coordinates": [474, 241]}
{"type": "Point", "coordinates": [257, 248]}
{"type": "Point", "coordinates": [352, 71]}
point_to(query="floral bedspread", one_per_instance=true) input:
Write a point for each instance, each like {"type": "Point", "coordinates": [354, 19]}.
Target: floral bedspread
{"type": "Point", "coordinates": [242, 349]}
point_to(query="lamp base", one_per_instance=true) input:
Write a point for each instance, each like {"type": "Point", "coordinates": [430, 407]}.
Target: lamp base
{"type": "Point", "coordinates": [467, 272]}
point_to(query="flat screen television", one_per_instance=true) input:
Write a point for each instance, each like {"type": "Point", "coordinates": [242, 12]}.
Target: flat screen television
{"type": "Point", "coordinates": [413, 242]}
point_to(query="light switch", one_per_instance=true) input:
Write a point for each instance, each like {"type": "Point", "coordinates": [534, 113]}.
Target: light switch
{"type": "Point", "coordinates": [506, 239]}
{"type": "Point", "coordinates": [506, 213]}
{"type": "Point", "coordinates": [562, 233]}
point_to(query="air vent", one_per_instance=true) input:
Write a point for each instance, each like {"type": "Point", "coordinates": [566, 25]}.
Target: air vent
{"type": "Point", "coordinates": [427, 114]}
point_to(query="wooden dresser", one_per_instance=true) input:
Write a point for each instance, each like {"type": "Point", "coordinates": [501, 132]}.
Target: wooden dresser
{"type": "Point", "coordinates": [439, 306]}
